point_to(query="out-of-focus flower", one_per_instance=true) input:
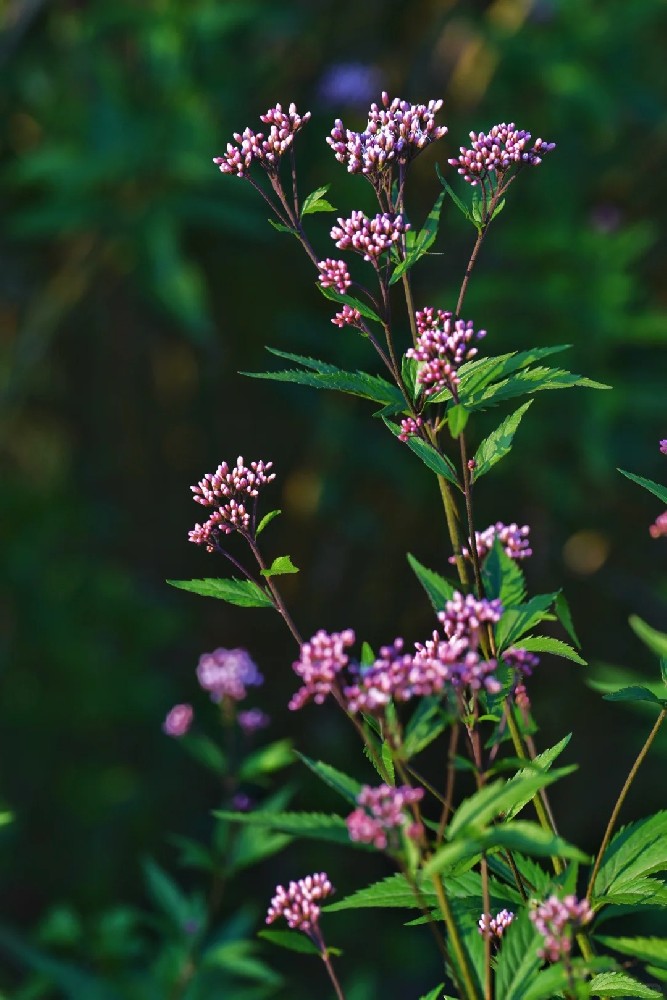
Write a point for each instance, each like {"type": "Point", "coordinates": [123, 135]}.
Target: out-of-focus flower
{"type": "Point", "coordinates": [252, 720]}
{"type": "Point", "coordinates": [555, 920]}
{"type": "Point", "coordinates": [443, 345]}
{"type": "Point", "coordinates": [521, 659]}
{"type": "Point", "coordinates": [496, 926]}
{"type": "Point", "coordinates": [382, 811]}
{"type": "Point", "coordinates": [298, 904]}
{"type": "Point", "coordinates": [514, 539]}
{"type": "Point", "coordinates": [320, 661]}
{"type": "Point", "coordinates": [265, 150]}
{"type": "Point", "coordinates": [659, 528]}
{"type": "Point", "coordinates": [494, 153]}
{"type": "Point", "coordinates": [226, 673]}
{"type": "Point", "coordinates": [178, 720]}
{"type": "Point", "coordinates": [351, 83]}
{"type": "Point", "coordinates": [663, 446]}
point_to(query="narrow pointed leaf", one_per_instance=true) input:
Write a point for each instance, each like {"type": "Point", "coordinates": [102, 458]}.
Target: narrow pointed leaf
{"type": "Point", "coordinates": [518, 960]}
{"type": "Point", "coordinates": [637, 850]}
{"type": "Point", "coordinates": [349, 300]}
{"type": "Point", "coordinates": [242, 593]}
{"type": "Point", "coordinates": [363, 384]}
{"type": "Point", "coordinates": [503, 577]}
{"type": "Point", "coordinates": [266, 520]}
{"type": "Point", "coordinates": [489, 802]}
{"type": "Point", "coordinates": [657, 641]}
{"type": "Point", "coordinates": [620, 984]}
{"type": "Point", "coordinates": [516, 621]}
{"type": "Point", "coordinates": [316, 202]}
{"type": "Point", "coordinates": [317, 826]}
{"type": "Point", "coordinates": [648, 949]}
{"type": "Point", "coordinates": [498, 443]}
{"type": "Point", "coordinates": [435, 993]}
{"type": "Point", "coordinates": [438, 589]}
{"type": "Point", "coordinates": [562, 609]}
{"type": "Point", "coordinates": [342, 783]}
{"type": "Point", "coordinates": [635, 693]}
{"type": "Point", "coordinates": [655, 488]}
{"type": "Point", "coordinates": [280, 566]}
{"type": "Point", "coordinates": [457, 418]}
{"type": "Point", "coordinates": [292, 940]}
{"type": "Point", "coordinates": [421, 242]}
{"type": "Point", "coordinates": [547, 644]}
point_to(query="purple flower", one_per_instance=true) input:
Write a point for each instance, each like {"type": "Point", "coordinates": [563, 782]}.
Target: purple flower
{"type": "Point", "coordinates": [231, 491]}
{"type": "Point", "coordinates": [227, 673]}
{"type": "Point", "coordinates": [397, 131]}
{"type": "Point", "coordinates": [242, 802]}
{"type": "Point", "coordinates": [443, 345]}
{"type": "Point", "coordinates": [496, 926]}
{"type": "Point", "coordinates": [298, 903]}
{"type": "Point", "coordinates": [178, 720]}
{"type": "Point", "coordinates": [663, 446]}
{"type": "Point", "coordinates": [514, 539]}
{"type": "Point", "coordinates": [252, 720]}
{"type": "Point", "coordinates": [352, 83]}
{"type": "Point", "coordinates": [348, 316]}
{"type": "Point", "coordinates": [369, 237]}
{"type": "Point", "coordinates": [659, 528]}
{"type": "Point", "coordinates": [521, 659]}
{"type": "Point", "coordinates": [409, 427]}
{"type": "Point", "coordinates": [381, 811]}
{"type": "Point", "coordinates": [334, 274]}
{"type": "Point", "coordinates": [464, 615]}
{"type": "Point", "coordinates": [320, 661]}
{"type": "Point", "coordinates": [266, 150]}
{"type": "Point", "coordinates": [555, 920]}
{"type": "Point", "coordinates": [388, 678]}
{"type": "Point", "coordinates": [504, 146]}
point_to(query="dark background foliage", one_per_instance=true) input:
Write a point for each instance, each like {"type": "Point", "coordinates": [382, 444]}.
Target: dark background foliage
{"type": "Point", "coordinates": [137, 282]}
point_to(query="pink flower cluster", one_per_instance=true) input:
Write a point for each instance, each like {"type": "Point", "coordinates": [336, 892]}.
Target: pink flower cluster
{"type": "Point", "coordinates": [443, 345]}
{"type": "Point", "coordinates": [659, 528]}
{"type": "Point", "coordinates": [369, 237]}
{"type": "Point", "coordinates": [348, 316]}
{"type": "Point", "coordinates": [390, 677]}
{"type": "Point", "coordinates": [256, 147]}
{"type": "Point", "coordinates": [521, 659]}
{"type": "Point", "coordinates": [178, 720]}
{"type": "Point", "coordinates": [396, 132]}
{"type": "Point", "coordinates": [496, 926]}
{"type": "Point", "coordinates": [298, 904]}
{"type": "Point", "coordinates": [226, 673]}
{"type": "Point", "coordinates": [495, 152]}
{"type": "Point", "coordinates": [228, 490]}
{"type": "Point", "coordinates": [515, 541]}
{"type": "Point", "coordinates": [381, 811]}
{"type": "Point", "coordinates": [663, 446]}
{"type": "Point", "coordinates": [409, 427]}
{"type": "Point", "coordinates": [555, 920]}
{"type": "Point", "coordinates": [320, 661]}
{"type": "Point", "coordinates": [464, 615]}
{"type": "Point", "coordinates": [334, 274]}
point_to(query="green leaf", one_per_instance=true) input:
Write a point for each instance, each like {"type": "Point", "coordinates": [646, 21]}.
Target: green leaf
{"type": "Point", "coordinates": [237, 959]}
{"type": "Point", "coordinates": [273, 757]}
{"type": "Point", "coordinates": [438, 589]}
{"type": "Point", "coordinates": [435, 993]}
{"type": "Point", "coordinates": [656, 641]}
{"type": "Point", "coordinates": [316, 202]}
{"type": "Point", "coordinates": [409, 368]}
{"type": "Point", "coordinates": [388, 761]}
{"type": "Point", "coordinates": [206, 752]}
{"type": "Point", "coordinates": [425, 725]}
{"type": "Point", "coordinates": [346, 786]}
{"type": "Point", "coordinates": [519, 835]}
{"type": "Point", "coordinates": [457, 418]}
{"type": "Point", "coordinates": [518, 620]}
{"type": "Point", "coordinates": [517, 961]}
{"type": "Point", "coordinates": [542, 762]}
{"type": "Point", "coordinates": [243, 593]}
{"type": "Point", "coordinates": [362, 384]}
{"type": "Point", "coordinates": [391, 892]}
{"type": "Point", "coordinates": [620, 984]}
{"type": "Point", "coordinates": [525, 382]}
{"type": "Point", "coordinates": [422, 242]}
{"type": "Point", "coordinates": [477, 374]}
{"type": "Point", "coordinates": [655, 488]}
{"type": "Point", "coordinates": [553, 981]}
{"type": "Point", "coordinates": [429, 455]}
{"type": "Point", "coordinates": [280, 227]}
{"type": "Point", "coordinates": [318, 826]}
{"type": "Point", "coordinates": [72, 983]}
{"type": "Point", "coordinates": [349, 300]}
{"type": "Point", "coordinates": [166, 894]}
{"type": "Point", "coordinates": [280, 566]}
{"type": "Point", "coordinates": [637, 850]}
{"type": "Point", "coordinates": [266, 520]}
{"type": "Point", "coordinates": [547, 644]}
{"type": "Point", "coordinates": [562, 609]}
{"type": "Point", "coordinates": [251, 845]}
{"type": "Point", "coordinates": [292, 940]}
{"type": "Point", "coordinates": [499, 797]}
{"type": "Point", "coordinates": [462, 207]}
{"type": "Point", "coordinates": [651, 949]}
{"type": "Point", "coordinates": [498, 443]}
{"type": "Point", "coordinates": [6, 817]}
{"type": "Point", "coordinates": [503, 577]}
{"type": "Point", "coordinates": [635, 693]}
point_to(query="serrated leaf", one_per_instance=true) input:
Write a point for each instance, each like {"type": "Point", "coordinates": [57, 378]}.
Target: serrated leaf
{"type": "Point", "coordinates": [637, 894]}
{"type": "Point", "coordinates": [266, 520]}
{"type": "Point", "coordinates": [280, 566]}
{"type": "Point", "coordinates": [477, 374]}
{"type": "Point", "coordinates": [265, 760]}
{"type": "Point", "coordinates": [435, 993]}
{"type": "Point", "coordinates": [438, 589]}
{"type": "Point", "coordinates": [342, 783]}
{"type": "Point", "coordinates": [620, 984]}
{"type": "Point", "coordinates": [318, 826]}
{"type": "Point", "coordinates": [292, 940]}
{"type": "Point", "coordinates": [485, 805]}
{"type": "Point", "coordinates": [635, 693]}
{"type": "Point", "coordinates": [425, 725]}
{"type": "Point", "coordinates": [656, 641]}
{"type": "Point", "coordinates": [391, 892]}
{"type": "Point", "coordinates": [651, 949]}
{"type": "Point", "coordinates": [457, 418]}
{"type": "Point", "coordinates": [562, 609]}
{"type": "Point", "coordinates": [502, 577]}
{"type": "Point", "coordinates": [344, 299]}
{"type": "Point", "coordinates": [362, 384]}
{"type": "Point", "coordinates": [525, 382]}
{"type": "Point", "coordinates": [637, 850]}
{"type": "Point", "coordinates": [242, 593]}
{"type": "Point", "coordinates": [498, 443]}
{"type": "Point", "coordinates": [316, 202]}
{"type": "Point", "coordinates": [518, 620]}
{"type": "Point", "coordinates": [421, 242]}
{"type": "Point", "coordinates": [655, 488]}
{"type": "Point", "coordinates": [409, 368]}
{"type": "Point", "coordinates": [553, 981]}
{"type": "Point", "coordinates": [517, 961]}
{"type": "Point", "coordinates": [543, 762]}
{"type": "Point", "coordinates": [429, 455]}
{"type": "Point", "coordinates": [547, 644]}
{"type": "Point", "coordinates": [519, 835]}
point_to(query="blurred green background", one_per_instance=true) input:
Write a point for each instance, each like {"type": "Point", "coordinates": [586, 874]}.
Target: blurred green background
{"type": "Point", "coordinates": [136, 282]}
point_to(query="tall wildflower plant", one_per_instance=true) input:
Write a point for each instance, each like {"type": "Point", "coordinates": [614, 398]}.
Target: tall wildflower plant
{"type": "Point", "coordinates": [514, 909]}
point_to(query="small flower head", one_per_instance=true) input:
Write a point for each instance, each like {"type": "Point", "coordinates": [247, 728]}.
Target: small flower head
{"type": "Point", "coordinates": [663, 446]}
{"type": "Point", "coordinates": [521, 659]}
{"type": "Point", "coordinates": [298, 904]}
{"type": "Point", "coordinates": [514, 540]}
{"type": "Point", "coordinates": [397, 131]}
{"type": "Point", "coordinates": [226, 673]}
{"type": "Point", "coordinates": [443, 345]}
{"type": "Point", "coordinates": [178, 720]}
{"type": "Point", "coordinates": [659, 528]}
{"type": "Point", "coordinates": [369, 237]}
{"type": "Point", "coordinates": [320, 661]}
{"type": "Point", "coordinates": [409, 428]}
{"type": "Point", "coordinates": [265, 149]}
{"type": "Point", "coordinates": [382, 811]}
{"type": "Point", "coordinates": [334, 274]}
{"type": "Point", "coordinates": [232, 493]}
{"type": "Point", "coordinates": [348, 316]}
{"type": "Point", "coordinates": [494, 153]}
{"type": "Point", "coordinates": [496, 926]}
{"type": "Point", "coordinates": [387, 679]}
{"type": "Point", "coordinates": [464, 615]}
{"type": "Point", "coordinates": [555, 920]}
{"type": "Point", "coordinates": [253, 720]}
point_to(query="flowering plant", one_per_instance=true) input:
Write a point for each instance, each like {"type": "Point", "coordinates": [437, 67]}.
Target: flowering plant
{"type": "Point", "coordinates": [515, 910]}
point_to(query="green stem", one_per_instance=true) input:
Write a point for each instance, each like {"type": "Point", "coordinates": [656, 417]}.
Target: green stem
{"type": "Point", "coordinates": [452, 930]}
